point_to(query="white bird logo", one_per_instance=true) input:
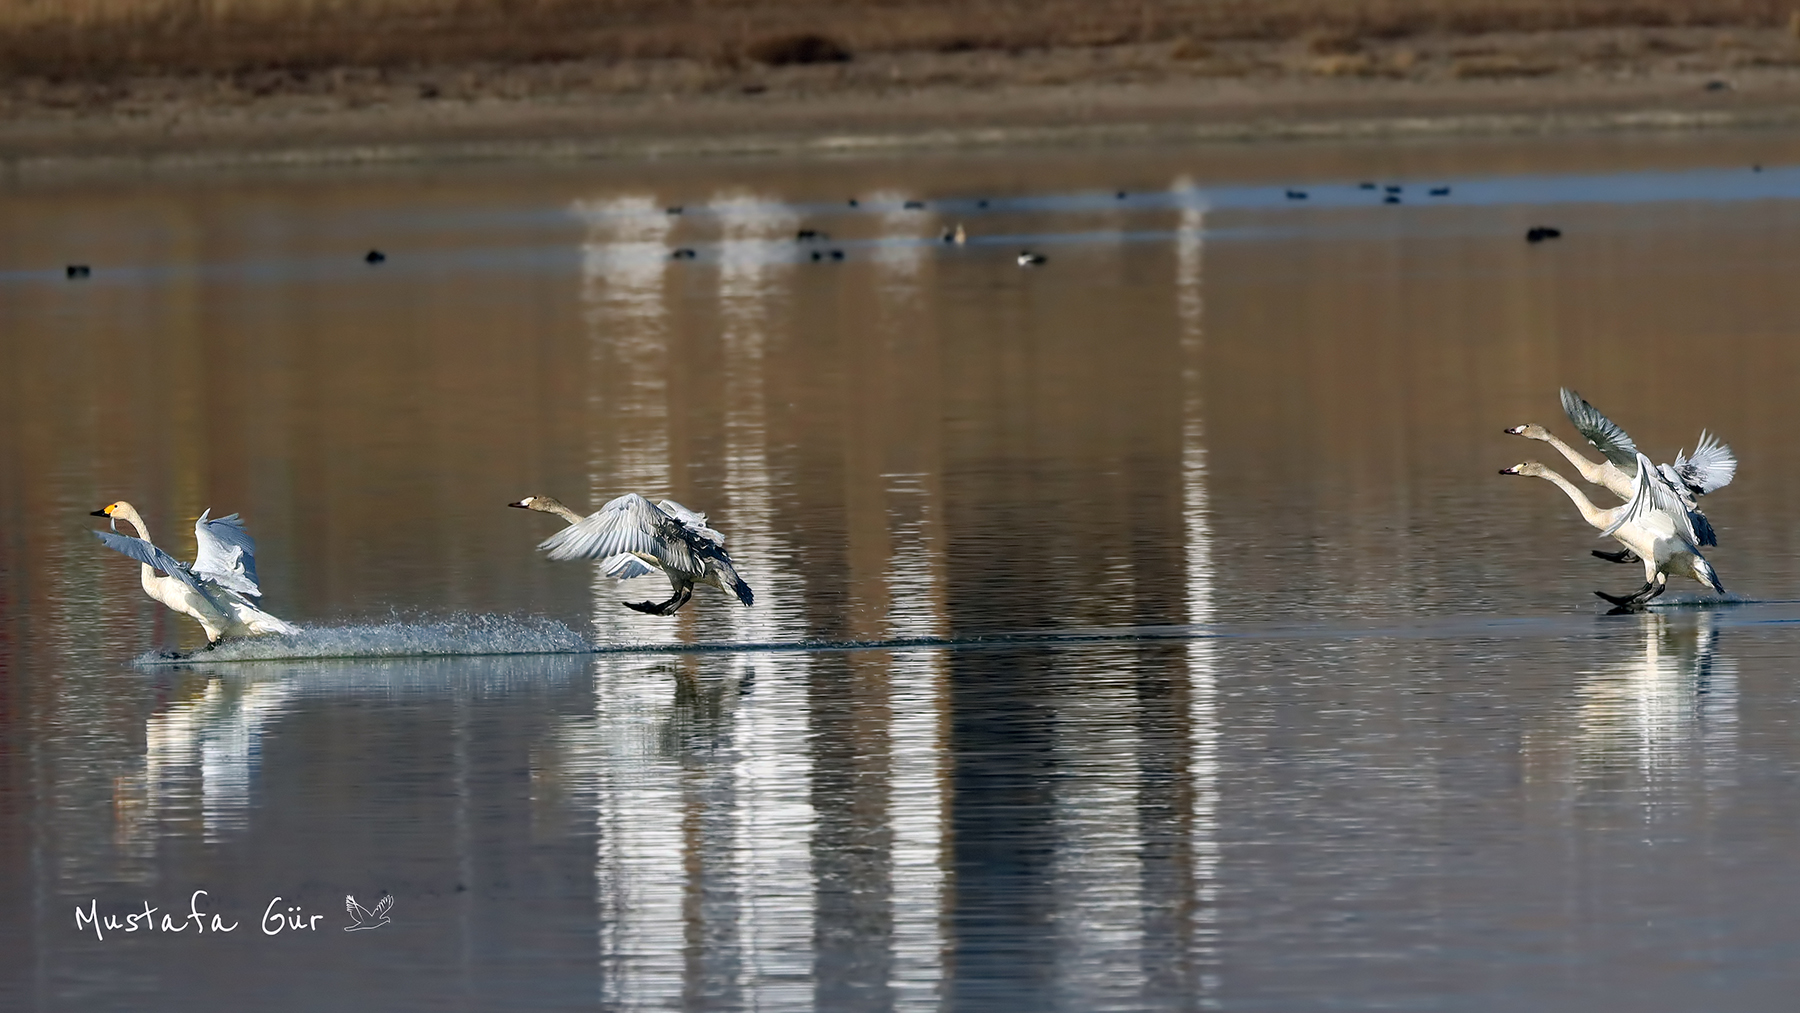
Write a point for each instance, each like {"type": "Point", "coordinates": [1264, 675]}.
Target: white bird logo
{"type": "Point", "coordinates": [364, 918]}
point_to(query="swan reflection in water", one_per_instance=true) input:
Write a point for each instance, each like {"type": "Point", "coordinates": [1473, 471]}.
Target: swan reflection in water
{"type": "Point", "coordinates": [1669, 712]}
{"type": "Point", "coordinates": [205, 749]}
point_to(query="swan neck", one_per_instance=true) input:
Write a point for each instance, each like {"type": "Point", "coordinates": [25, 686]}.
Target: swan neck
{"type": "Point", "coordinates": [1592, 513]}
{"type": "Point", "coordinates": [129, 515]}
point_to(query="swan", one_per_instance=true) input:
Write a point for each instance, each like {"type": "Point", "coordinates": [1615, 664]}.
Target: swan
{"type": "Point", "coordinates": [1712, 467]}
{"type": "Point", "coordinates": [631, 535]}
{"type": "Point", "coordinates": [1653, 525]}
{"type": "Point", "coordinates": [214, 588]}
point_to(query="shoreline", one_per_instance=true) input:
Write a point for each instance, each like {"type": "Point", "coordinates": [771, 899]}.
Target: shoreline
{"type": "Point", "coordinates": [189, 125]}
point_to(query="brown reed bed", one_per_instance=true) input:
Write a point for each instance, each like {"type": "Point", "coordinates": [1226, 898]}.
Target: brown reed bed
{"type": "Point", "coordinates": [100, 39]}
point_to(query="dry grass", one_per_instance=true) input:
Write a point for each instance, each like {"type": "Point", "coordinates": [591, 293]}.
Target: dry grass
{"type": "Point", "coordinates": [97, 39]}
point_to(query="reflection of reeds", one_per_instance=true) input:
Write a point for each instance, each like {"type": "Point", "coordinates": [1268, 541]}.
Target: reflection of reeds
{"type": "Point", "coordinates": [89, 37]}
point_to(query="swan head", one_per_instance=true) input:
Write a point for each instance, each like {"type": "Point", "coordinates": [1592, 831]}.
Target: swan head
{"type": "Point", "coordinates": [1531, 431]}
{"type": "Point", "coordinates": [543, 504]}
{"type": "Point", "coordinates": [113, 511]}
{"type": "Point", "coordinates": [1529, 468]}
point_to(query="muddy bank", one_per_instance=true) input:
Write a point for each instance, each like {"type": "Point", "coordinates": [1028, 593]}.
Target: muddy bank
{"type": "Point", "coordinates": [1582, 80]}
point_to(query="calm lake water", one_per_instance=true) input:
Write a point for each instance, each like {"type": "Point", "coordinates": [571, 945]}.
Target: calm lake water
{"type": "Point", "coordinates": [1145, 630]}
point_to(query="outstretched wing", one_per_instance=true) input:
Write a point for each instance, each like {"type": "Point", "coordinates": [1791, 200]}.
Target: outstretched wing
{"type": "Point", "coordinates": [630, 524]}
{"type": "Point", "coordinates": [387, 901]}
{"type": "Point", "coordinates": [355, 910]}
{"type": "Point", "coordinates": [1652, 495]}
{"type": "Point", "coordinates": [1712, 467]}
{"type": "Point", "coordinates": [144, 552]}
{"type": "Point", "coordinates": [1602, 432]}
{"type": "Point", "coordinates": [227, 555]}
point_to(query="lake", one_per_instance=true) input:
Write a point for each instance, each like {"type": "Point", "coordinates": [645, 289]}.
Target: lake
{"type": "Point", "coordinates": [1147, 629]}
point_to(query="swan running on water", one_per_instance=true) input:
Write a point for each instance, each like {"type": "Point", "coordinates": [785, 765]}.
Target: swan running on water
{"type": "Point", "coordinates": [214, 588]}
{"type": "Point", "coordinates": [1712, 467]}
{"type": "Point", "coordinates": [631, 535]}
{"type": "Point", "coordinates": [1654, 526]}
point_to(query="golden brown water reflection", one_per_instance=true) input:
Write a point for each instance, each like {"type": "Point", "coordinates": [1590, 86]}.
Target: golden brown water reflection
{"type": "Point", "coordinates": [1415, 769]}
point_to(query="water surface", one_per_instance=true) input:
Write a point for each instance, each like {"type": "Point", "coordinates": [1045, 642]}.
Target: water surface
{"type": "Point", "coordinates": [1214, 666]}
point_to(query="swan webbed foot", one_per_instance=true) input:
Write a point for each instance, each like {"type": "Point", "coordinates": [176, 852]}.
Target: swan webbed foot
{"type": "Point", "coordinates": [1636, 600]}
{"type": "Point", "coordinates": [1621, 556]}
{"type": "Point", "coordinates": [667, 608]}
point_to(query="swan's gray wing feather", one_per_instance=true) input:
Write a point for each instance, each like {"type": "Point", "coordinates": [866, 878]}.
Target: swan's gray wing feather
{"type": "Point", "coordinates": [1712, 467]}
{"type": "Point", "coordinates": [625, 566]}
{"type": "Point", "coordinates": [692, 520]}
{"type": "Point", "coordinates": [1703, 529]}
{"type": "Point", "coordinates": [630, 525]}
{"type": "Point", "coordinates": [227, 554]}
{"type": "Point", "coordinates": [1602, 432]}
{"type": "Point", "coordinates": [1652, 495]}
{"type": "Point", "coordinates": [144, 552]}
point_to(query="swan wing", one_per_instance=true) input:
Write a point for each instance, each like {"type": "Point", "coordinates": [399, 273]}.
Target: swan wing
{"type": "Point", "coordinates": [227, 555]}
{"type": "Point", "coordinates": [629, 525]}
{"type": "Point", "coordinates": [1712, 467]}
{"type": "Point", "coordinates": [144, 552]}
{"type": "Point", "coordinates": [1602, 432]}
{"type": "Point", "coordinates": [693, 521]}
{"type": "Point", "coordinates": [625, 566]}
{"type": "Point", "coordinates": [1652, 496]}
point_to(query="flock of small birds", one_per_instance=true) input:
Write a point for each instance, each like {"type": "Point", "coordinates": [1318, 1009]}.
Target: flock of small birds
{"type": "Point", "coordinates": [1391, 193]}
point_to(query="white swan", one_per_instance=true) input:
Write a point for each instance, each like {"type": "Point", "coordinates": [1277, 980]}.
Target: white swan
{"type": "Point", "coordinates": [1712, 467]}
{"type": "Point", "coordinates": [1653, 525]}
{"type": "Point", "coordinates": [630, 535]}
{"type": "Point", "coordinates": [212, 590]}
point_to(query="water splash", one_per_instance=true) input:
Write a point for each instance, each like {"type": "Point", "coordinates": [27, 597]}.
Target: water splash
{"type": "Point", "coordinates": [450, 636]}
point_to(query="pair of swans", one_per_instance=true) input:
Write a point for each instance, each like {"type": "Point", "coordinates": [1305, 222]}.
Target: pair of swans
{"type": "Point", "coordinates": [215, 589]}
{"type": "Point", "coordinates": [1660, 523]}
{"type": "Point", "coordinates": [631, 536]}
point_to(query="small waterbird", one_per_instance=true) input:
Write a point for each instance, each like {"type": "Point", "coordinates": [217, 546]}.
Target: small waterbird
{"type": "Point", "coordinates": [1653, 526]}
{"type": "Point", "coordinates": [1030, 259]}
{"type": "Point", "coordinates": [630, 536]}
{"type": "Point", "coordinates": [214, 589]}
{"type": "Point", "coordinates": [1712, 467]}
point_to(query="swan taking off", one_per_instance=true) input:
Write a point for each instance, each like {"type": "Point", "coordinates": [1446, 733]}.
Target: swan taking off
{"type": "Point", "coordinates": [1653, 525]}
{"type": "Point", "coordinates": [1712, 467]}
{"type": "Point", "coordinates": [631, 535]}
{"type": "Point", "coordinates": [213, 590]}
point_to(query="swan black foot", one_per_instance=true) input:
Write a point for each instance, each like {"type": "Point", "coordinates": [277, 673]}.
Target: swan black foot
{"type": "Point", "coordinates": [665, 608]}
{"type": "Point", "coordinates": [1621, 556]}
{"type": "Point", "coordinates": [1635, 600]}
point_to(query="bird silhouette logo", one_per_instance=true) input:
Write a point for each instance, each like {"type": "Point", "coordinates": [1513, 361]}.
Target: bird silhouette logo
{"type": "Point", "coordinates": [365, 918]}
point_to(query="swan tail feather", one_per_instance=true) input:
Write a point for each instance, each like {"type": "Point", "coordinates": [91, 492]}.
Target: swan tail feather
{"type": "Point", "coordinates": [1707, 575]}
